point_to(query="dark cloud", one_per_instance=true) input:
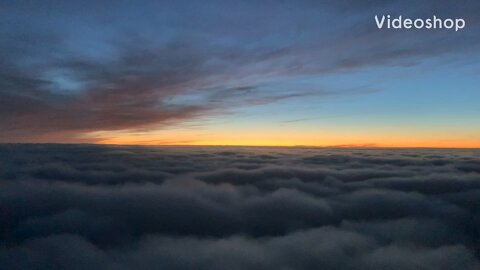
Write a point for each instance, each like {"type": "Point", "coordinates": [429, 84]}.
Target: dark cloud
{"type": "Point", "coordinates": [102, 207]}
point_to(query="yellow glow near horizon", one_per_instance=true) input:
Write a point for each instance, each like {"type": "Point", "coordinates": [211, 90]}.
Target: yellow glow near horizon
{"type": "Point", "coordinates": [255, 138]}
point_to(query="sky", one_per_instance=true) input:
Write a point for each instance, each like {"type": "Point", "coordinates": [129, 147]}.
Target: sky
{"type": "Point", "coordinates": [274, 73]}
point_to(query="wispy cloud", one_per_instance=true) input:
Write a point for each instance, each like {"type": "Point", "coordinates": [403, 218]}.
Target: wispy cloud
{"type": "Point", "coordinates": [63, 76]}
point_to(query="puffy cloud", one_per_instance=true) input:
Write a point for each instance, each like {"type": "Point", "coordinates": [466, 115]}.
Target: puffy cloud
{"type": "Point", "coordinates": [102, 207]}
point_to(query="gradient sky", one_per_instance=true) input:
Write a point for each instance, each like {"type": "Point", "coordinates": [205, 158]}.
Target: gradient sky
{"type": "Point", "coordinates": [238, 73]}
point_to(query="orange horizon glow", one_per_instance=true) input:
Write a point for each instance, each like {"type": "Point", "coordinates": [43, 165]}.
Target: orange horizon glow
{"type": "Point", "coordinates": [291, 140]}
{"type": "Point", "coordinates": [446, 146]}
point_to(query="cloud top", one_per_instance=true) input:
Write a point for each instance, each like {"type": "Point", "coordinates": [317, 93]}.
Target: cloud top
{"type": "Point", "coordinates": [100, 207]}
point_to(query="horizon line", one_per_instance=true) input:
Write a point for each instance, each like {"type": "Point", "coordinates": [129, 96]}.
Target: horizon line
{"type": "Point", "coordinates": [244, 145]}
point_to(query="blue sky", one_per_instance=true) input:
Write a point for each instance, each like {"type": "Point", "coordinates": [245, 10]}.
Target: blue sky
{"type": "Point", "coordinates": [285, 72]}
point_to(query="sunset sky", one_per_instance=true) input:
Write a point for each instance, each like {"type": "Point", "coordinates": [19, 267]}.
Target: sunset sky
{"type": "Point", "coordinates": [273, 73]}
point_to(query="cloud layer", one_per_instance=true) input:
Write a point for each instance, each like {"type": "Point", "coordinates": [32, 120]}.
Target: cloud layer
{"type": "Point", "coordinates": [99, 207]}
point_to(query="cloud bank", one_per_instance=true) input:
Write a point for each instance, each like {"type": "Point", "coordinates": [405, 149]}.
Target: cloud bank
{"type": "Point", "coordinates": [101, 207]}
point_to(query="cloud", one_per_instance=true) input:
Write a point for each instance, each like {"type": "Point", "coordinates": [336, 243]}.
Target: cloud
{"type": "Point", "coordinates": [119, 207]}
